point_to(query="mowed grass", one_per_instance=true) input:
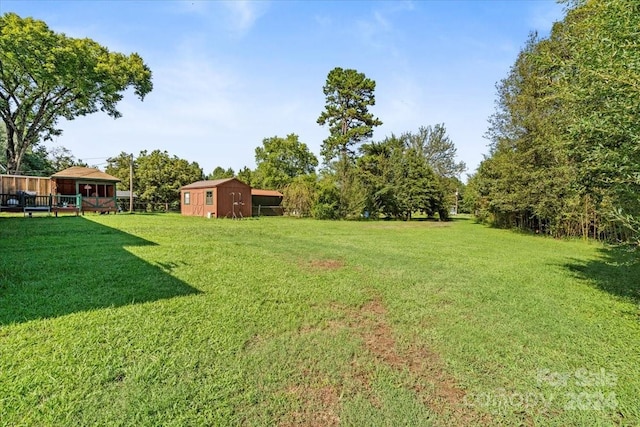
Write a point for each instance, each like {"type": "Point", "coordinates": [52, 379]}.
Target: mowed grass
{"type": "Point", "coordinates": [169, 320]}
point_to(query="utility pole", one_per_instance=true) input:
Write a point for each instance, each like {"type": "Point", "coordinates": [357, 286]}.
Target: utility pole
{"type": "Point", "coordinates": [131, 184]}
{"type": "Point", "coordinates": [456, 202]}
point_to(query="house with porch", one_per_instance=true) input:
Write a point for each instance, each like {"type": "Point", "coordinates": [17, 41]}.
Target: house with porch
{"type": "Point", "coordinates": [97, 189]}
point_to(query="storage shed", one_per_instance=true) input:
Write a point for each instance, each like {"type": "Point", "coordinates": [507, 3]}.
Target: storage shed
{"type": "Point", "coordinates": [219, 198]}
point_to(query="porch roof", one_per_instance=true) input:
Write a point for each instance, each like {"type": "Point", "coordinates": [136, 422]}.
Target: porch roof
{"type": "Point", "coordinates": [79, 172]}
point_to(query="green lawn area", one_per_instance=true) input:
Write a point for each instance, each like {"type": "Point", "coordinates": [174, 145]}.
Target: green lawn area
{"type": "Point", "coordinates": [169, 320]}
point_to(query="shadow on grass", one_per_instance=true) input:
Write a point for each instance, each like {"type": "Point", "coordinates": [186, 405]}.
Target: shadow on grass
{"type": "Point", "coordinates": [51, 267]}
{"type": "Point", "coordinates": [452, 218]}
{"type": "Point", "coordinates": [425, 219]}
{"type": "Point", "coordinates": [616, 271]}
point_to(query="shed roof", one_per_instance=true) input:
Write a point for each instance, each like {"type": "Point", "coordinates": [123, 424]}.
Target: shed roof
{"type": "Point", "coordinates": [124, 194]}
{"type": "Point", "coordinates": [210, 183]}
{"type": "Point", "coordinates": [271, 193]}
{"type": "Point", "coordinates": [93, 174]}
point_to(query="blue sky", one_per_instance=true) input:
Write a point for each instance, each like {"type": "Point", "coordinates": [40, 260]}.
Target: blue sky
{"type": "Point", "coordinates": [228, 74]}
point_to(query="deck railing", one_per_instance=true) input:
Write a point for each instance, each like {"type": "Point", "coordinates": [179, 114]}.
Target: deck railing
{"type": "Point", "coordinates": [19, 200]}
{"type": "Point", "coordinates": [99, 203]}
{"type": "Point", "coordinates": [28, 202]}
{"type": "Point", "coordinates": [37, 202]}
{"type": "Point", "coordinates": [9, 200]}
{"type": "Point", "coordinates": [61, 201]}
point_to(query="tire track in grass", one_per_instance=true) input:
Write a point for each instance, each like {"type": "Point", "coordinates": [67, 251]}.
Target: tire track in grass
{"type": "Point", "coordinates": [429, 380]}
{"type": "Point", "coordinates": [445, 397]}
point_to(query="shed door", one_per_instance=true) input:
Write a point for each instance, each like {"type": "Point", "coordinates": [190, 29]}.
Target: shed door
{"type": "Point", "coordinates": [198, 203]}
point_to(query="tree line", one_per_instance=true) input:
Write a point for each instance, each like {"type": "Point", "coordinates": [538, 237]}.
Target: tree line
{"type": "Point", "coordinates": [415, 172]}
{"type": "Point", "coordinates": [396, 177]}
{"type": "Point", "coordinates": [564, 157]}
{"type": "Point", "coordinates": [46, 76]}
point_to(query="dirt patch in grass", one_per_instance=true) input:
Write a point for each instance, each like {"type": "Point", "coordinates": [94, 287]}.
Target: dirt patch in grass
{"type": "Point", "coordinates": [432, 383]}
{"type": "Point", "coordinates": [321, 406]}
{"type": "Point", "coordinates": [323, 264]}
{"type": "Point", "coordinates": [428, 376]}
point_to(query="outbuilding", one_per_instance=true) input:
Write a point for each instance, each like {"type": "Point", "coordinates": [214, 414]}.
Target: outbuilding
{"type": "Point", "coordinates": [266, 202]}
{"type": "Point", "coordinates": [219, 198]}
{"type": "Point", "coordinates": [97, 190]}
{"type": "Point", "coordinates": [124, 198]}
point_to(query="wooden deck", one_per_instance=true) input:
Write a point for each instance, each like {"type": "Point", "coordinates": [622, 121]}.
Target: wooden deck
{"type": "Point", "coordinates": [29, 204]}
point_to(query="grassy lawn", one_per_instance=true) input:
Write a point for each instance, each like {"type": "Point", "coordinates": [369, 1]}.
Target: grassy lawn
{"type": "Point", "coordinates": [168, 320]}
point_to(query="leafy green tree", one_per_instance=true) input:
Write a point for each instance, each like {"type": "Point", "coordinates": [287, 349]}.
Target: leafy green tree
{"type": "Point", "coordinates": [399, 181]}
{"type": "Point", "coordinates": [119, 166]}
{"type": "Point", "coordinates": [36, 162]}
{"type": "Point", "coordinates": [528, 179]}
{"type": "Point", "coordinates": [61, 158]}
{"type": "Point", "coordinates": [440, 177]}
{"type": "Point", "coordinates": [300, 195]}
{"type": "Point", "coordinates": [280, 160]}
{"type": "Point", "coordinates": [349, 94]}
{"type": "Point", "coordinates": [39, 161]}
{"type": "Point", "coordinates": [157, 176]}
{"type": "Point", "coordinates": [597, 81]}
{"type": "Point", "coordinates": [380, 167]}
{"type": "Point", "coordinates": [45, 76]}
{"type": "Point", "coordinates": [327, 204]}
{"type": "Point", "coordinates": [418, 188]}
{"type": "Point", "coordinates": [3, 147]}
{"type": "Point", "coordinates": [353, 198]}
{"type": "Point", "coordinates": [414, 185]}
{"type": "Point", "coordinates": [220, 173]}
{"type": "Point", "coordinates": [436, 147]}
{"type": "Point", "coordinates": [247, 176]}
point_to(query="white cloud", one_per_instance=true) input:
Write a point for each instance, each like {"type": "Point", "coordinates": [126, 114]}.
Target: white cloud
{"type": "Point", "coordinates": [196, 90]}
{"type": "Point", "coordinates": [323, 20]}
{"type": "Point", "coordinates": [235, 16]}
{"type": "Point", "coordinates": [404, 5]}
{"type": "Point", "coordinates": [195, 105]}
{"type": "Point", "coordinates": [374, 30]}
{"type": "Point", "coordinates": [244, 13]}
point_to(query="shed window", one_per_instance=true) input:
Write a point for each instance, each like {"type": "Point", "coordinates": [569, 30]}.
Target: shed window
{"type": "Point", "coordinates": [187, 198]}
{"type": "Point", "coordinates": [209, 198]}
